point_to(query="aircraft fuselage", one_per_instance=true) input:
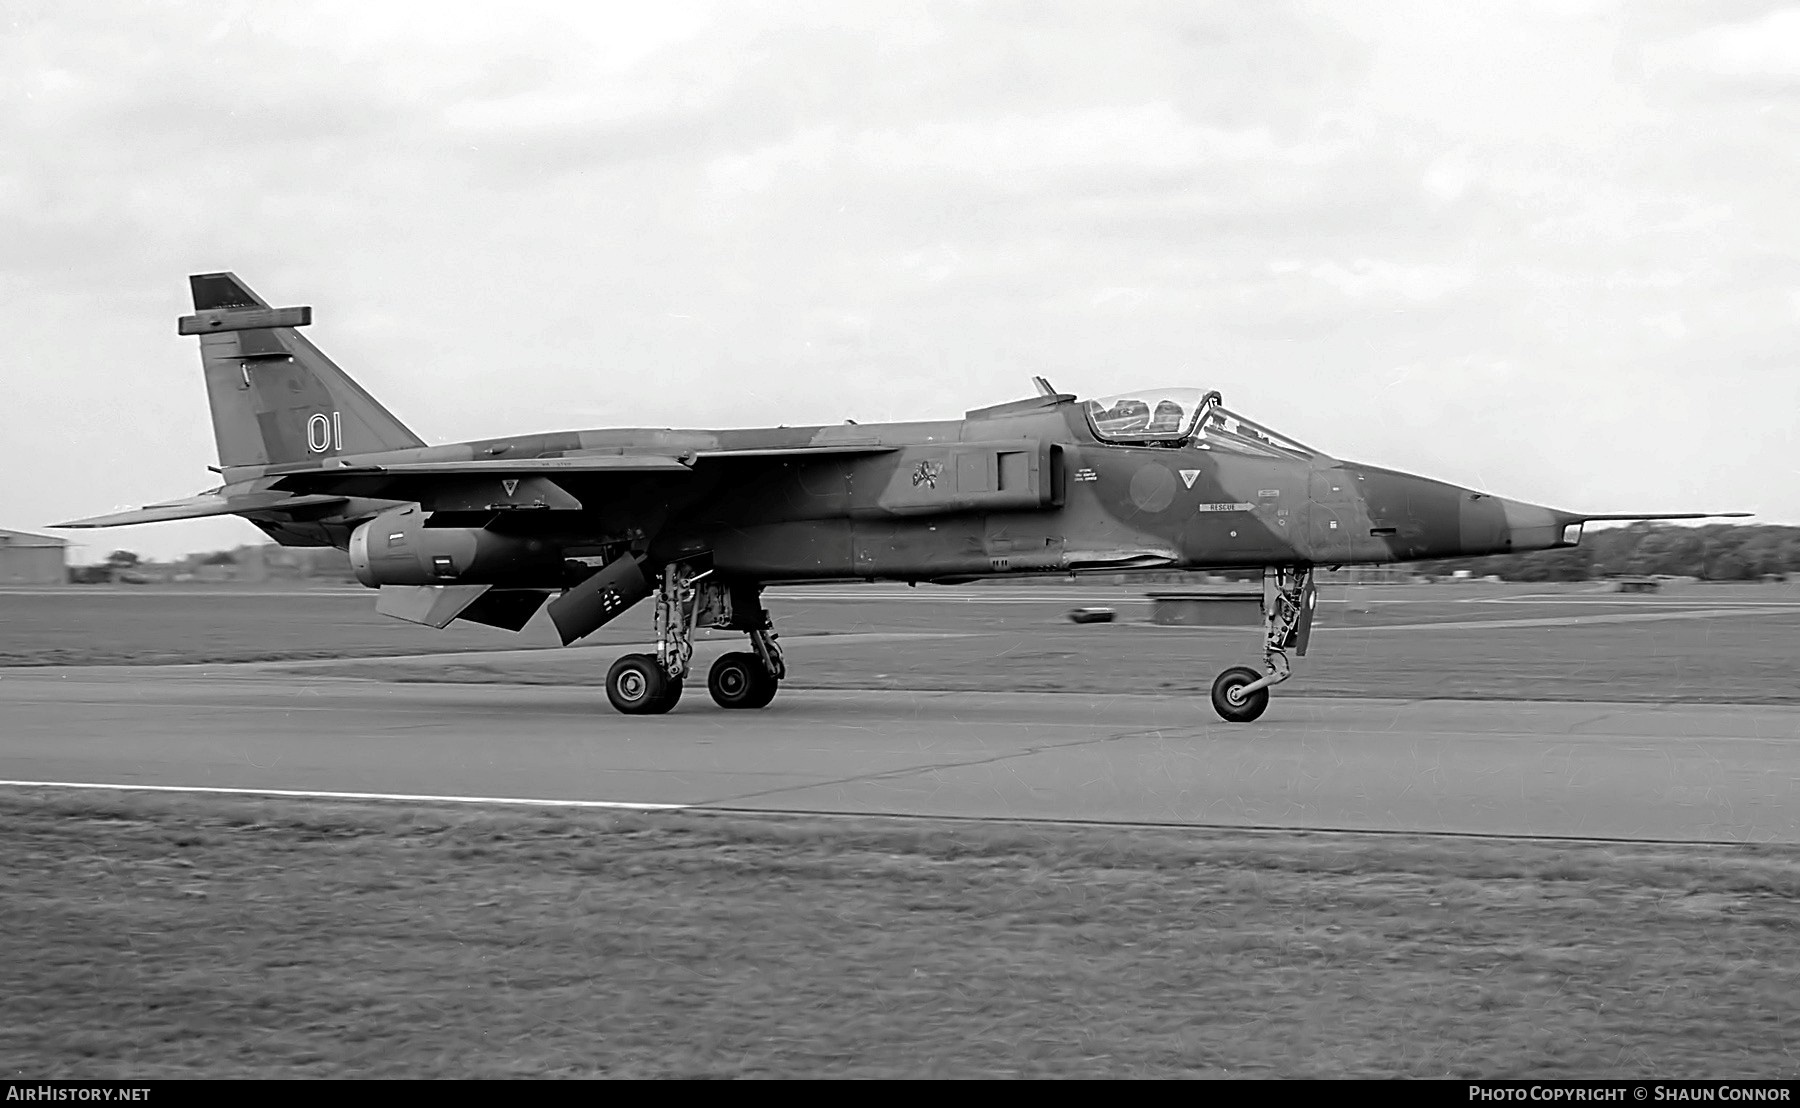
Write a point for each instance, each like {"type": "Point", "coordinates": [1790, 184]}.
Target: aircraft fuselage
{"type": "Point", "coordinates": [999, 494]}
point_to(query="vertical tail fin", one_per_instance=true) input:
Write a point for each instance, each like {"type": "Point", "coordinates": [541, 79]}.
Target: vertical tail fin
{"type": "Point", "coordinates": [275, 397]}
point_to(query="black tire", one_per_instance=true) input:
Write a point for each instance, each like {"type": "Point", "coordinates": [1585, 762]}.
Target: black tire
{"type": "Point", "coordinates": [739, 680]}
{"type": "Point", "coordinates": [670, 697]}
{"type": "Point", "coordinates": [770, 685]}
{"type": "Point", "coordinates": [637, 686]}
{"type": "Point", "coordinates": [1242, 711]}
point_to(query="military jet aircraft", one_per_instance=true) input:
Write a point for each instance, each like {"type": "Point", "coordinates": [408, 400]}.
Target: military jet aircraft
{"type": "Point", "coordinates": [698, 522]}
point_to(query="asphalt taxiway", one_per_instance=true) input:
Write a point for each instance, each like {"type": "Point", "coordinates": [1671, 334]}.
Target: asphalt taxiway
{"type": "Point", "coordinates": [1692, 772]}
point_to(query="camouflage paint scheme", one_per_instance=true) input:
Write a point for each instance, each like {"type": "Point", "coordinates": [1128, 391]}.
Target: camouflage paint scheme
{"type": "Point", "coordinates": [802, 513]}
{"type": "Point", "coordinates": [1027, 487]}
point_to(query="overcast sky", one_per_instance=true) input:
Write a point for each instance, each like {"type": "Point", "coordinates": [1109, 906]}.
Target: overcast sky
{"type": "Point", "coordinates": [1550, 249]}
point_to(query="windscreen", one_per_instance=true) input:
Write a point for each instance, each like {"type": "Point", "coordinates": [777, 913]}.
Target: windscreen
{"type": "Point", "coordinates": [1185, 417]}
{"type": "Point", "coordinates": [1224, 430]}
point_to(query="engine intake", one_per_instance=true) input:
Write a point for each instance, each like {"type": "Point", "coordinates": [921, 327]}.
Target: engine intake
{"type": "Point", "coordinates": [396, 548]}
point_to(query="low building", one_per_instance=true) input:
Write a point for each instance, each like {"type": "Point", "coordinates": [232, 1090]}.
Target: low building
{"type": "Point", "coordinates": [1365, 575]}
{"type": "Point", "coordinates": [27, 559]}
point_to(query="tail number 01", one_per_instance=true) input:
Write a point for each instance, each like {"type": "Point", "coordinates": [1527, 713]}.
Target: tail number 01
{"type": "Point", "coordinates": [324, 432]}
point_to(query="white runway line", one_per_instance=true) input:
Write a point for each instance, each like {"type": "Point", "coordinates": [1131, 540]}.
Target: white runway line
{"type": "Point", "coordinates": [1620, 600]}
{"type": "Point", "coordinates": [888, 817]}
{"type": "Point", "coordinates": [312, 794]}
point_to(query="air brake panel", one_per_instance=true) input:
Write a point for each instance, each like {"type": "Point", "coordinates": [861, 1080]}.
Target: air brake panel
{"type": "Point", "coordinates": [1018, 475]}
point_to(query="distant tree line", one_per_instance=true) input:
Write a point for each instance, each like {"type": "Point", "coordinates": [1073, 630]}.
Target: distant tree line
{"type": "Point", "coordinates": [1717, 552]}
{"type": "Point", "coordinates": [120, 565]}
{"type": "Point", "coordinates": [127, 566]}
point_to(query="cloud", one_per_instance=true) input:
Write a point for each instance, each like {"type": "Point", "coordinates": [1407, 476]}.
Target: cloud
{"type": "Point", "coordinates": [1381, 278]}
{"type": "Point", "coordinates": [1761, 53]}
{"type": "Point", "coordinates": [744, 213]}
{"type": "Point", "coordinates": [1025, 153]}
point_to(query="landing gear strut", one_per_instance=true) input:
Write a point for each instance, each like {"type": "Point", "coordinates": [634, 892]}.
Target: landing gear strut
{"type": "Point", "coordinates": [650, 684]}
{"type": "Point", "coordinates": [1240, 694]}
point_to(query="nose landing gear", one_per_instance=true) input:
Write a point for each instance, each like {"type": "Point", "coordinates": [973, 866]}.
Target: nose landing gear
{"type": "Point", "coordinates": [1240, 694]}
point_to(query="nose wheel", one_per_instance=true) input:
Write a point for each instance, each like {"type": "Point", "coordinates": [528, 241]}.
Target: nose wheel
{"type": "Point", "coordinates": [1241, 694]}
{"type": "Point", "coordinates": [1230, 700]}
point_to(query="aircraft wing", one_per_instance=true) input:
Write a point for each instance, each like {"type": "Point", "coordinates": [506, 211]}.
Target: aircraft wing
{"type": "Point", "coordinates": [797, 451]}
{"type": "Point", "coordinates": [530, 482]}
{"type": "Point", "coordinates": [206, 504]}
{"type": "Point", "coordinates": [489, 468]}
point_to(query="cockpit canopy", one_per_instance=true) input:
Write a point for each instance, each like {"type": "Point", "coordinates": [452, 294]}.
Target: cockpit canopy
{"type": "Point", "coordinates": [1150, 415]}
{"type": "Point", "coordinates": [1185, 417]}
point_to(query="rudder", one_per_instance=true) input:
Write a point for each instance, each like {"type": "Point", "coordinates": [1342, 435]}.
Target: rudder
{"type": "Point", "coordinates": [275, 397]}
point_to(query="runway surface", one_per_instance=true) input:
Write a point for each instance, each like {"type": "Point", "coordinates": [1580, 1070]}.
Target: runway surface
{"type": "Point", "coordinates": [1590, 770]}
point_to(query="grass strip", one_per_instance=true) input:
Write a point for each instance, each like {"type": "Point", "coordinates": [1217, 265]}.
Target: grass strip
{"type": "Point", "coordinates": [218, 937]}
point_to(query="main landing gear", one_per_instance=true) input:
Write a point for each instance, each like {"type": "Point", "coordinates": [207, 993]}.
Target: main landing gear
{"type": "Point", "coordinates": [650, 684]}
{"type": "Point", "coordinates": [1240, 694]}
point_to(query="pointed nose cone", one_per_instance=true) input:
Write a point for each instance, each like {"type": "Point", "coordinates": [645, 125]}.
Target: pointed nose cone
{"type": "Point", "coordinates": [1495, 525]}
{"type": "Point", "coordinates": [1413, 517]}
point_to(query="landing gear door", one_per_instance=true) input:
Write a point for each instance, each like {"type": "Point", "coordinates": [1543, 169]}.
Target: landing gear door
{"type": "Point", "coordinates": [1309, 603]}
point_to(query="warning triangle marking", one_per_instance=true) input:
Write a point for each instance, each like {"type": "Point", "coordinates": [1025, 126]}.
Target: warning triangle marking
{"type": "Point", "coordinates": [1188, 476]}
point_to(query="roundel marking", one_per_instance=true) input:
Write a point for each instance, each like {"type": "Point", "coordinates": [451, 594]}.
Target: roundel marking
{"type": "Point", "coordinates": [1153, 488]}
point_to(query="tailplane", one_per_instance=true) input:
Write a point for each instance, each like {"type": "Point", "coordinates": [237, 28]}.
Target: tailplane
{"type": "Point", "coordinates": [276, 399]}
